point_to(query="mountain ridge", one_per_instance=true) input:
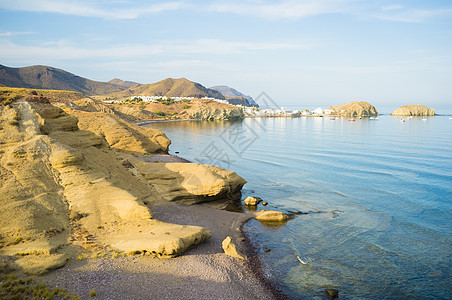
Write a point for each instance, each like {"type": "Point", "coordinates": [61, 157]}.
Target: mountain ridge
{"type": "Point", "coordinates": [124, 83]}
{"type": "Point", "coordinates": [233, 93]}
{"type": "Point", "coordinates": [170, 87]}
{"type": "Point", "coordinates": [46, 77]}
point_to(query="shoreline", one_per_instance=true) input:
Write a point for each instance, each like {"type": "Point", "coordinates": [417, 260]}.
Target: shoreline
{"type": "Point", "coordinates": [142, 123]}
{"type": "Point", "coordinates": [246, 246]}
{"type": "Point", "coordinates": [203, 272]}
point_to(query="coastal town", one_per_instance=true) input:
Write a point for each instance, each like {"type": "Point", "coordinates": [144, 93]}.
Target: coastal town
{"type": "Point", "coordinates": [249, 111]}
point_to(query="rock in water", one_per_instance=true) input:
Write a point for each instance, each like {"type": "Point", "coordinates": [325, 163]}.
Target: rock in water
{"type": "Point", "coordinates": [355, 109]}
{"type": "Point", "coordinates": [272, 216]}
{"type": "Point", "coordinates": [231, 249]}
{"type": "Point", "coordinates": [332, 293]}
{"type": "Point", "coordinates": [252, 201]}
{"type": "Point", "coordinates": [413, 110]}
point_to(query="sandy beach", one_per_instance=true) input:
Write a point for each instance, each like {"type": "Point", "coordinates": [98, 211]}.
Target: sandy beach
{"type": "Point", "coordinates": [204, 272]}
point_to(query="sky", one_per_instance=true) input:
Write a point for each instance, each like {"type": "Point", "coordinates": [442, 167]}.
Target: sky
{"type": "Point", "coordinates": [309, 52]}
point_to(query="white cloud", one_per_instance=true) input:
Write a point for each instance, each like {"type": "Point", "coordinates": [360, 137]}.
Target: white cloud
{"type": "Point", "coordinates": [415, 15]}
{"type": "Point", "coordinates": [286, 9]}
{"type": "Point", "coordinates": [391, 7]}
{"type": "Point", "coordinates": [282, 10]}
{"type": "Point", "coordinates": [63, 50]}
{"type": "Point", "coordinates": [9, 33]}
{"type": "Point", "coordinates": [88, 8]}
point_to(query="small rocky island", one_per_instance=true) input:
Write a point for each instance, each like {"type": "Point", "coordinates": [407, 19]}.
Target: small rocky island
{"type": "Point", "coordinates": [413, 110]}
{"type": "Point", "coordinates": [354, 109]}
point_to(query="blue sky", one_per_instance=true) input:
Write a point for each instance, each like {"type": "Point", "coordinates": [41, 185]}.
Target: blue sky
{"type": "Point", "coordinates": [312, 52]}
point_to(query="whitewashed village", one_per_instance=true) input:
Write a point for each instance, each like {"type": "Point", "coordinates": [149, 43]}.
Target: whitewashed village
{"type": "Point", "coordinates": [249, 111]}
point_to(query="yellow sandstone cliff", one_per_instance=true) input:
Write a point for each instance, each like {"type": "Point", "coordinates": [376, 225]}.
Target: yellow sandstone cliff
{"type": "Point", "coordinates": [69, 179]}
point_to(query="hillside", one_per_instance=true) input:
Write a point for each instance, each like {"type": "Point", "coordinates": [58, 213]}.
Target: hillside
{"type": "Point", "coordinates": [169, 87]}
{"type": "Point", "coordinates": [126, 84]}
{"type": "Point", "coordinates": [44, 77]}
{"type": "Point", "coordinates": [229, 92]}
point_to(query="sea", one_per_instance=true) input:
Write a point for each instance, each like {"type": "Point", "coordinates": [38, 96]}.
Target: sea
{"type": "Point", "coordinates": [373, 197]}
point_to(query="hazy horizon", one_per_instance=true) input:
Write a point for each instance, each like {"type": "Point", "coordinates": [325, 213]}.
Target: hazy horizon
{"type": "Point", "coordinates": [321, 53]}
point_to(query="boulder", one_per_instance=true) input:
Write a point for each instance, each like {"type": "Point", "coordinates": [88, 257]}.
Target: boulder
{"type": "Point", "coordinates": [192, 183]}
{"type": "Point", "coordinates": [413, 110]}
{"type": "Point", "coordinates": [354, 109]}
{"type": "Point", "coordinates": [332, 293]}
{"type": "Point", "coordinates": [252, 201]}
{"type": "Point", "coordinates": [271, 216]}
{"type": "Point", "coordinates": [231, 249]}
{"type": "Point", "coordinates": [40, 264]}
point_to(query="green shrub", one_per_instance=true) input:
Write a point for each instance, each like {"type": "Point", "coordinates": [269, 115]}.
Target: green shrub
{"type": "Point", "coordinates": [93, 293]}
{"type": "Point", "coordinates": [159, 113]}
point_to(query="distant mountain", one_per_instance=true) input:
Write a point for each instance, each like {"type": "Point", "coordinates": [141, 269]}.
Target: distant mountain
{"type": "Point", "coordinates": [171, 88]}
{"type": "Point", "coordinates": [44, 77]}
{"type": "Point", "coordinates": [233, 93]}
{"type": "Point", "coordinates": [126, 84]}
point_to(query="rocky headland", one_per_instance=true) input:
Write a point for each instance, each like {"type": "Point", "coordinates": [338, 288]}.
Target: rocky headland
{"type": "Point", "coordinates": [354, 109]}
{"type": "Point", "coordinates": [72, 180]}
{"type": "Point", "coordinates": [413, 110]}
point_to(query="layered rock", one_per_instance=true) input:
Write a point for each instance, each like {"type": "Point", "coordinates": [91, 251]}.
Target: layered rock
{"type": "Point", "coordinates": [192, 183]}
{"type": "Point", "coordinates": [413, 110]}
{"type": "Point", "coordinates": [204, 112]}
{"type": "Point", "coordinates": [122, 135]}
{"type": "Point", "coordinates": [62, 186]}
{"type": "Point", "coordinates": [354, 109]}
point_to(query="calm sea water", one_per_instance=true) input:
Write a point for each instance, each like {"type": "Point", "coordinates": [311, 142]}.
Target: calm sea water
{"type": "Point", "coordinates": [378, 194]}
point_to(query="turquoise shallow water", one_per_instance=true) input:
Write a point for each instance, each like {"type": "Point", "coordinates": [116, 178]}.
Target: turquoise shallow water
{"type": "Point", "coordinates": [378, 194]}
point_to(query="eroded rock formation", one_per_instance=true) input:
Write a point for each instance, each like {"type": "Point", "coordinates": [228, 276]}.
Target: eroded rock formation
{"type": "Point", "coordinates": [355, 109]}
{"type": "Point", "coordinates": [62, 186]}
{"type": "Point", "coordinates": [413, 110]}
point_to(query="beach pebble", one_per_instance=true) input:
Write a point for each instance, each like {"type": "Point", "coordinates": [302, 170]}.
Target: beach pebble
{"type": "Point", "coordinates": [252, 201]}
{"type": "Point", "coordinates": [332, 293]}
{"type": "Point", "coordinates": [265, 203]}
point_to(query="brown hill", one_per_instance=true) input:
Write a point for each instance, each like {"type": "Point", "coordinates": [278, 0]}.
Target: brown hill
{"type": "Point", "coordinates": [355, 109]}
{"type": "Point", "coordinates": [44, 77]}
{"type": "Point", "coordinates": [170, 88]}
{"type": "Point", "coordinates": [126, 84]}
{"type": "Point", "coordinates": [413, 110]}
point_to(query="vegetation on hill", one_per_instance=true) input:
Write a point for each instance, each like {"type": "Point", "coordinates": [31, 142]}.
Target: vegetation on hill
{"type": "Point", "coordinates": [44, 77]}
